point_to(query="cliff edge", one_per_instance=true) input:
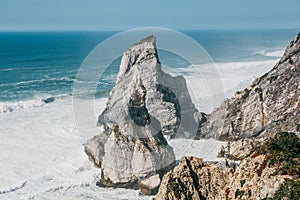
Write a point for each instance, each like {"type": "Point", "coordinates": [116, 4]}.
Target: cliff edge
{"type": "Point", "coordinates": [271, 104]}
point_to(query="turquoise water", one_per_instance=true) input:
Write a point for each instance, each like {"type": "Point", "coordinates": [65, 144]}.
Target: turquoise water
{"type": "Point", "coordinates": [45, 64]}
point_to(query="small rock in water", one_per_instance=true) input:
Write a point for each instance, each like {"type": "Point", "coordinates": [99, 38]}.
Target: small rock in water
{"type": "Point", "coordinates": [49, 100]}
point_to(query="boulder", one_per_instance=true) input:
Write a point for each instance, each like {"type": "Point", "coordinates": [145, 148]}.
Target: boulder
{"type": "Point", "coordinates": [150, 186]}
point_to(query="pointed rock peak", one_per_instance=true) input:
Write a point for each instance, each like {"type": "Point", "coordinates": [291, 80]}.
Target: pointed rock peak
{"type": "Point", "coordinates": [292, 49]}
{"type": "Point", "coordinates": [150, 39]}
{"type": "Point", "coordinates": [144, 105]}
{"type": "Point", "coordinates": [140, 55]}
{"type": "Point", "coordinates": [146, 44]}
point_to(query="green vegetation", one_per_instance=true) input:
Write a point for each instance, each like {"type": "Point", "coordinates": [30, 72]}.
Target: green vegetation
{"type": "Point", "coordinates": [259, 91]}
{"type": "Point", "coordinates": [116, 128]}
{"type": "Point", "coordinates": [284, 153]}
{"type": "Point", "coordinates": [239, 193]}
{"type": "Point", "coordinates": [242, 182]}
{"type": "Point", "coordinates": [246, 93]}
{"type": "Point", "coordinates": [290, 190]}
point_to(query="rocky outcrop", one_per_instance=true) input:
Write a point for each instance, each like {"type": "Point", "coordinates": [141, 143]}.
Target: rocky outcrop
{"type": "Point", "coordinates": [145, 90]}
{"type": "Point", "coordinates": [240, 149]}
{"type": "Point", "coordinates": [269, 105]}
{"type": "Point", "coordinates": [194, 179]}
{"type": "Point", "coordinates": [273, 164]}
{"type": "Point", "coordinates": [144, 105]}
{"type": "Point", "coordinates": [249, 122]}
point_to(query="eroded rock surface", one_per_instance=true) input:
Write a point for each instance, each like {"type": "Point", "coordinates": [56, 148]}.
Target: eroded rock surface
{"type": "Point", "coordinates": [257, 123]}
{"type": "Point", "coordinates": [144, 105]}
{"type": "Point", "coordinates": [269, 105]}
{"type": "Point", "coordinates": [194, 179]}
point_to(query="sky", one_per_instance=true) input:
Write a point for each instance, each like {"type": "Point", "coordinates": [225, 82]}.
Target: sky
{"type": "Point", "coordinates": [125, 14]}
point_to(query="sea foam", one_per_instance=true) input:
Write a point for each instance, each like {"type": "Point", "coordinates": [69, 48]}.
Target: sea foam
{"type": "Point", "coordinates": [41, 146]}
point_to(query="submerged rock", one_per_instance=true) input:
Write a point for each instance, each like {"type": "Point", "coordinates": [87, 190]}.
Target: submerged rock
{"type": "Point", "coordinates": [269, 105]}
{"type": "Point", "coordinates": [144, 105]}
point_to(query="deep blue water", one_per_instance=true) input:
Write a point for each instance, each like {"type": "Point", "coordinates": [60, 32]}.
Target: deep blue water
{"type": "Point", "coordinates": [35, 64]}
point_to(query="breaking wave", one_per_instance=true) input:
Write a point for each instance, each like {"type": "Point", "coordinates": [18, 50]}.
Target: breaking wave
{"type": "Point", "coordinates": [6, 107]}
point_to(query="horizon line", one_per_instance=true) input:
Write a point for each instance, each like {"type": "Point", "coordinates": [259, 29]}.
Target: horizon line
{"type": "Point", "coordinates": [121, 29]}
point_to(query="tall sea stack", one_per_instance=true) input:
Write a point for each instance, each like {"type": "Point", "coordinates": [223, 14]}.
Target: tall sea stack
{"type": "Point", "coordinates": [144, 105]}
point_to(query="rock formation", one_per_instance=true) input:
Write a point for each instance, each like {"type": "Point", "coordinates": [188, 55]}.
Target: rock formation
{"type": "Point", "coordinates": [251, 122]}
{"type": "Point", "coordinates": [144, 105]}
{"type": "Point", "coordinates": [269, 105]}
{"type": "Point", "coordinates": [149, 91]}
{"type": "Point", "coordinates": [150, 186]}
{"type": "Point", "coordinates": [271, 165]}
{"type": "Point", "coordinates": [194, 179]}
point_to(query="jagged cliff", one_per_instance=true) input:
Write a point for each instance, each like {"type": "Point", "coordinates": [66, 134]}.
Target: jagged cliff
{"type": "Point", "coordinates": [269, 105]}
{"type": "Point", "coordinates": [253, 122]}
{"type": "Point", "coordinates": [259, 175]}
{"type": "Point", "coordinates": [193, 179]}
{"type": "Point", "coordinates": [144, 105]}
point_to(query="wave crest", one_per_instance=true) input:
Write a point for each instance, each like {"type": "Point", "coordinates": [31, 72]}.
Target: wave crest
{"type": "Point", "coordinates": [268, 53]}
{"type": "Point", "coordinates": [6, 107]}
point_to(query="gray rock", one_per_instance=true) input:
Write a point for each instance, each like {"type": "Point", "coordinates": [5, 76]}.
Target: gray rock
{"type": "Point", "coordinates": [269, 105]}
{"type": "Point", "coordinates": [142, 84]}
{"type": "Point", "coordinates": [150, 186]}
{"type": "Point", "coordinates": [144, 105]}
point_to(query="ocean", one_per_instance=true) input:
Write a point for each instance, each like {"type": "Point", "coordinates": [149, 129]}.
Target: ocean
{"type": "Point", "coordinates": [40, 148]}
{"type": "Point", "coordinates": [45, 64]}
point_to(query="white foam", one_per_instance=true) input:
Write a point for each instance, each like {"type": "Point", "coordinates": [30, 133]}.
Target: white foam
{"type": "Point", "coordinates": [207, 149]}
{"type": "Point", "coordinates": [269, 53]}
{"type": "Point", "coordinates": [41, 146]}
{"type": "Point", "coordinates": [13, 106]}
{"type": "Point", "coordinates": [275, 53]}
{"type": "Point", "coordinates": [209, 84]}
{"type": "Point", "coordinates": [6, 69]}
{"type": "Point", "coordinates": [37, 101]}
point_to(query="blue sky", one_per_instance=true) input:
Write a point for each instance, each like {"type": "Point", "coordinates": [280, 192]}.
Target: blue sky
{"type": "Point", "coordinates": [125, 14]}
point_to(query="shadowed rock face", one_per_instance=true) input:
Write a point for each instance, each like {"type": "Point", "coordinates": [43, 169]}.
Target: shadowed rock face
{"type": "Point", "coordinates": [151, 91]}
{"type": "Point", "coordinates": [144, 105]}
{"type": "Point", "coordinates": [269, 105]}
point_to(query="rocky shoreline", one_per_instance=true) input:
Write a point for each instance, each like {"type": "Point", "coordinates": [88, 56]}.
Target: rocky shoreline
{"type": "Point", "coordinates": [258, 176]}
{"type": "Point", "coordinates": [262, 127]}
{"type": "Point", "coordinates": [146, 105]}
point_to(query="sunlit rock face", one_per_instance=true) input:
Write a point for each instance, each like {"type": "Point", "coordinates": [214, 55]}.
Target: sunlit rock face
{"type": "Point", "coordinates": [144, 105]}
{"type": "Point", "coordinates": [269, 105]}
